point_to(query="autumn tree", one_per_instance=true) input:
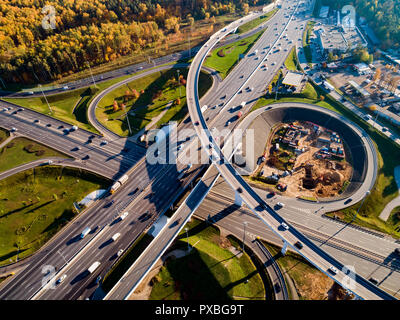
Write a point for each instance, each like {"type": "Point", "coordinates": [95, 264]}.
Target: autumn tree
{"type": "Point", "coordinates": [115, 106]}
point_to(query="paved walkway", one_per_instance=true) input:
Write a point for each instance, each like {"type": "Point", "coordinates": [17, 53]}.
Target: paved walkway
{"type": "Point", "coordinates": [395, 202]}
{"type": "Point", "coordinates": [153, 122]}
{"type": "Point", "coordinates": [6, 141]}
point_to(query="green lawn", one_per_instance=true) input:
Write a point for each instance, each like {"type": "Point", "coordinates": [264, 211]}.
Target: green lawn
{"type": "Point", "coordinates": [225, 58]}
{"type": "Point", "coordinates": [306, 41]}
{"type": "Point", "coordinates": [256, 22]}
{"type": "Point", "coordinates": [22, 150]}
{"type": "Point", "coordinates": [4, 134]}
{"type": "Point", "coordinates": [291, 61]}
{"type": "Point", "coordinates": [209, 271]}
{"type": "Point", "coordinates": [147, 106]}
{"type": "Point", "coordinates": [37, 205]}
{"type": "Point", "coordinates": [385, 188]}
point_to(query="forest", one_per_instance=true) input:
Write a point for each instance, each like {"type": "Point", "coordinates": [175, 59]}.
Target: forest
{"type": "Point", "coordinates": [383, 17]}
{"type": "Point", "coordinates": [91, 32]}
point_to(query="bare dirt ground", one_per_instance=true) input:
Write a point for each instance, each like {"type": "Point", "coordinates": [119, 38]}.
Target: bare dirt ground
{"type": "Point", "coordinates": [329, 175]}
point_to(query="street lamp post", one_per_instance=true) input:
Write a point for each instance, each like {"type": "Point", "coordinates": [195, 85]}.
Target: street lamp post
{"type": "Point", "coordinates": [359, 208]}
{"type": "Point", "coordinates": [187, 238]}
{"type": "Point", "coordinates": [179, 86]}
{"type": "Point", "coordinates": [91, 74]}
{"type": "Point", "coordinates": [244, 234]}
{"type": "Point", "coordinates": [40, 86]}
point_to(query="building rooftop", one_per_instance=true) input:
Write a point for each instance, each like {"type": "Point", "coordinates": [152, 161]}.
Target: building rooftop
{"type": "Point", "coordinates": [293, 79]}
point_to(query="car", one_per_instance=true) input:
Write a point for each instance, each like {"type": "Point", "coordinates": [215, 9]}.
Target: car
{"type": "Point", "coordinates": [374, 281]}
{"type": "Point", "coordinates": [348, 201]}
{"type": "Point", "coordinates": [65, 88]}
{"type": "Point", "coordinates": [332, 270]}
{"type": "Point", "coordinates": [277, 288]}
{"type": "Point", "coordinates": [124, 215]}
{"type": "Point", "coordinates": [280, 204]}
{"type": "Point", "coordinates": [61, 279]}
{"type": "Point", "coordinates": [298, 245]}
{"type": "Point", "coordinates": [181, 146]}
{"type": "Point", "coordinates": [30, 92]}
{"type": "Point", "coordinates": [240, 190]}
{"type": "Point", "coordinates": [384, 129]}
{"type": "Point", "coordinates": [397, 251]}
{"type": "Point", "coordinates": [13, 129]}
{"type": "Point", "coordinates": [104, 142]}
{"type": "Point", "coordinates": [273, 63]}
{"type": "Point", "coordinates": [20, 109]}
{"type": "Point", "coordinates": [284, 226]}
{"type": "Point", "coordinates": [48, 125]}
{"type": "Point", "coordinates": [271, 194]}
{"type": "Point", "coordinates": [5, 109]}
{"type": "Point", "coordinates": [90, 141]}
{"type": "Point", "coordinates": [98, 279]}
{"type": "Point", "coordinates": [87, 157]}
{"type": "Point", "coordinates": [36, 121]}
{"type": "Point", "coordinates": [119, 253]}
{"type": "Point", "coordinates": [196, 123]}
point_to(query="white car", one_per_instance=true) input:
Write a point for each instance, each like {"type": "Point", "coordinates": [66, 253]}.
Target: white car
{"type": "Point", "coordinates": [124, 215]}
{"type": "Point", "coordinates": [119, 253]}
{"type": "Point", "coordinates": [333, 269]}
{"type": "Point", "coordinates": [273, 63]}
{"type": "Point", "coordinates": [13, 129]}
{"type": "Point", "coordinates": [280, 204]}
{"type": "Point", "coordinates": [65, 88]}
{"type": "Point", "coordinates": [284, 226]}
{"type": "Point", "coordinates": [104, 142]}
{"type": "Point", "coordinates": [61, 279]}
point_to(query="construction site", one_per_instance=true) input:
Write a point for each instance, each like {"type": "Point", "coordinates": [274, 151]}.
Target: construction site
{"type": "Point", "coordinates": [305, 160]}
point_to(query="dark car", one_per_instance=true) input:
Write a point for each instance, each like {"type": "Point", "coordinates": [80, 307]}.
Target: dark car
{"type": "Point", "coordinates": [277, 288]}
{"type": "Point", "coordinates": [397, 251]}
{"type": "Point", "coordinates": [271, 194]}
{"type": "Point", "coordinates": [86, 157]}
{"type": "Point", "coordinates": [373, 280]}
{"type": "Point", "coordinates": [240, 190]}
{"type": "Point", "coordinates": [348, 201]}
{"type": "Point", "coordinates": [298, 245]}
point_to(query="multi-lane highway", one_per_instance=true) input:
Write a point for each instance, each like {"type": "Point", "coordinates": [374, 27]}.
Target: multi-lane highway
{"type": "Point", "coordinates": [326, 263]}
{"type": "Point", "coordinates": [151, 189]}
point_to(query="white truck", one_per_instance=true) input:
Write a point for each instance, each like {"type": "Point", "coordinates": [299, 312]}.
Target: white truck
{"type": "Point", "coordinates": [204, 108]}
{"type": "Point", "coordinates": [93, 267]}
{"type": "Point", "coordinates": [85, 232]}
{"type": "Point", "coordinates": [328, 86]}
{"type": "Point", "coordinates": [119, 183]}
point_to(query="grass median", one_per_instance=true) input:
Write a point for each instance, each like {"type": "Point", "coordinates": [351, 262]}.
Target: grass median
{"type": "Point", "coordinates": [225, 58]}
{"type": "Point", "coordinates": [38, 205]}
{"type": "Point", "coordinates": [256, 22]}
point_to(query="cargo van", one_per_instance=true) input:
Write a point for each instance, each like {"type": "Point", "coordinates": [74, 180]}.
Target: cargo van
{"type": "Point", "coordinates": [93, 267]}
{"type": "Point", "coordinates": [115, 236]}
{"type": "Point", "coordinates": [85, 232]}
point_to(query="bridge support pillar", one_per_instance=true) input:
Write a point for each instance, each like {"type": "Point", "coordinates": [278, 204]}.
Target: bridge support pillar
{"type": "Point", "coordinates": [284, 248]}
{"type": "Point", "coordinates": [238, 199]}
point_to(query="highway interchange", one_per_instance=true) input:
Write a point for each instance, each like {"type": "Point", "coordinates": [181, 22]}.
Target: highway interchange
{"type": "Point", "coordinates": [152, 188]}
